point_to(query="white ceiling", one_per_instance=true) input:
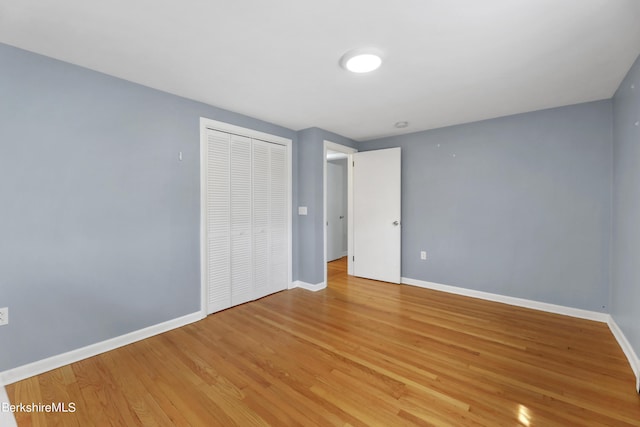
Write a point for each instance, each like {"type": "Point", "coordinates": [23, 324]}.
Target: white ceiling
{"type": "Point", "coordinates": [445, 61]}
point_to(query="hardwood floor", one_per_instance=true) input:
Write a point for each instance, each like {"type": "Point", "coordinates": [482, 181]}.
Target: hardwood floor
{"type": "Point", "coordinates": [360, 353]}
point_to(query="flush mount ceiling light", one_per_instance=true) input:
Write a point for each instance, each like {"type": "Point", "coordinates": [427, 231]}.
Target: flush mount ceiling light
{"type": "Point", "coordinates": [401, 125]}
{"type": "Point", "coordinates": [361, 60]}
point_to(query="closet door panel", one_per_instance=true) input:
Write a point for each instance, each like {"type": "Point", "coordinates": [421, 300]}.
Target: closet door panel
{"type": "Point", "coordinates": [218, 220]}
{"type": "Point", "coordinates": [240, 186]}
{"type": "Point", "coordinates": [278, 230]}
{"type": "Point", "coordinates": [261, 219]}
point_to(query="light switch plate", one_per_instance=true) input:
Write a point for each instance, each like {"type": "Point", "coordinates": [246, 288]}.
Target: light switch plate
{"type": "Point", "coordinates": [302, 210]}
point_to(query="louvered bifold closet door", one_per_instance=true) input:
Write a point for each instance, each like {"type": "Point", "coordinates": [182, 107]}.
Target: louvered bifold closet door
{"type": "Point", "coordinates": [278, 214]}
{"type": "Point", "coordinates": [218, 234]}
{"type": "Point", "coordinates": [247, 204]}
{"type": "Point", "coordinates": [241, 254]}
{"type": "Point", "coordinates": [261, 218]}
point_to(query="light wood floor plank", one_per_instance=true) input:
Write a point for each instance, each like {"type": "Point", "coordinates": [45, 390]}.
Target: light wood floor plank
{"type": "Point", "coordinates": [360, 353]}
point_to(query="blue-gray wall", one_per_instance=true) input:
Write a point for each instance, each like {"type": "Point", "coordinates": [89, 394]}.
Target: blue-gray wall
{"type": "Point", "coordinates": [625, 284]}
{"type": "Point", "coordinates": [99, 221]}
{"type": "Point", "coordinates": [310, 194]}
{"type": "Point", "coordinates": [518, 206]}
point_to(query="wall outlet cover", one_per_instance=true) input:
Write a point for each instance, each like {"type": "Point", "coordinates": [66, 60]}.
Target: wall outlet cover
{"type": "Point", "coordinates": [4, 316]}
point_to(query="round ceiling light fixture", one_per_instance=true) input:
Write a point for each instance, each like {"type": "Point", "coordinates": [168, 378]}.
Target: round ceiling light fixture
{"type": "Point", "coordinates": [362, 60]}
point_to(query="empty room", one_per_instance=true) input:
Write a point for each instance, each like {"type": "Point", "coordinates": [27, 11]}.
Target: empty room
{"type": "Point", "coordinates": [336, 213]}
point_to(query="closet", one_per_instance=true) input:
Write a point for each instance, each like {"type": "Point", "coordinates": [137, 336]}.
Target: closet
{"type": "Point", "coordinates": [246, 218]}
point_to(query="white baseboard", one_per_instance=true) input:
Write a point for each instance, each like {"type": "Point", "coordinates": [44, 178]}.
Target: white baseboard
{"type": "Point", "coordinates": [36, 368]}
{"type": "Point", "coordinates": [632, 357]}
{"type": "Point", "coordinates": [308, 286]}
{"type": "Point", "coordinates": [7, 419]}
{"type": "Point", "coordinates": [520, 302]}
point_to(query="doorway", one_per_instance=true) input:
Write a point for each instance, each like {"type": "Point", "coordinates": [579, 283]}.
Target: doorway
{"type": "Point", "coordinates": [337, 203]}
{"type": "Point", "coordinates": [337, 215]}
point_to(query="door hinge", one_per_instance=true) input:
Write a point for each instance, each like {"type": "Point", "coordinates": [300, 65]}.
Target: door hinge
{"type": "Point", "coordinates": [353, 258]}
{"type": "Point", "coordinates": [353, 163]}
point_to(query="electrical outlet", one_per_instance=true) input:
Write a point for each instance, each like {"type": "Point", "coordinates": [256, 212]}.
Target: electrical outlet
{"type": "Point", "coordinates": [4, 316]}
{"type": "Point", "coordinates": [423, 255]}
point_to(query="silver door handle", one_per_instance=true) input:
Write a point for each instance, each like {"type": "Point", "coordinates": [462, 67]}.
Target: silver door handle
{"type": "Point", "coordinates": [396, 223]}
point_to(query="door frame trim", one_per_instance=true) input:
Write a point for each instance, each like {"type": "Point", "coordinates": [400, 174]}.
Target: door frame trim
{"type": "Point", "coordinates": [205, 124]}
{"type": "Point", "coordinates": [328, 145]}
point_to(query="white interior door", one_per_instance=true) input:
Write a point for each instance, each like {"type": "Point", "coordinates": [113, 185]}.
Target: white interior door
{"type": "Point", "coordinates": [336, 216]}
{"type": "Point", "coordinates": [376, 214]}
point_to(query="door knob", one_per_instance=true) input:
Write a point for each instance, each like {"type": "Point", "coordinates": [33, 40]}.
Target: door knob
{"type": "Point", "coordinates": [341, 216]}
{"type": "Point", "coordinates": [396, 223]}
